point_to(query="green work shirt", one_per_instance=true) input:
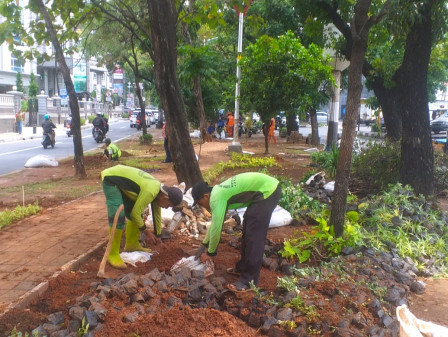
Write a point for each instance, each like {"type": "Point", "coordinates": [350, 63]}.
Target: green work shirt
{"type": "Point", "coordinates": [236, 192]}
{"type": "Point", "coordinates": [114, 151]}
{"type": "Point", "coordinates": [139, 187]}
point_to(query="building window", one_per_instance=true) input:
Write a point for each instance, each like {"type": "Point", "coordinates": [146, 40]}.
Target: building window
{"type": "Point", "coordinates": [16, 65]}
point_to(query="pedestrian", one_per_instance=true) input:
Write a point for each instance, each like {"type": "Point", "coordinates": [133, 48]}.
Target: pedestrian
{"type": "Point", "coordinates": [165, 145]}
{"type": "Point", "coordinates": [258, 192]}
{"type": "Point", "coordinates": [20, 118]}
{"type": "Point", "coordinates": [271, 131]}
{"type": "Point", "coordinates": [230, 124]}
{"type": "Point", "coordinates": [220, 126]}
{"type": "Point", "coordinates": [112, 152]}
{"type": "Point", "coordinates": [211, 129]}
{"type": "Point", "coordinates": [135, 189]}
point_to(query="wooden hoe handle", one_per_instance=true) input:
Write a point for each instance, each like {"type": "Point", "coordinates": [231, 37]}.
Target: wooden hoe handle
{"type": "Point", "coordinates": [109, 243]}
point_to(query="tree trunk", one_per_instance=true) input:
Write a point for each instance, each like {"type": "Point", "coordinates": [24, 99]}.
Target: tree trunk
{"type": "Point", "coordinates": [389, 107]}
{"type": "Point", "coordinates": [163, 38]}
{"type": "Point", "coordinates": [197, 93]}
{"type": "Point", "coordinates": [360, 28]}
{"type": "Point", "coordinates": [314, 128]}
{"type": "Point", "coordinates": [80, 171]}
{"type": "Point", "coordinates": [142, 104]}
{"type": "Point", "coordinates": [291, 124]}
{"type": "Point", "coordinates": [417, 168]}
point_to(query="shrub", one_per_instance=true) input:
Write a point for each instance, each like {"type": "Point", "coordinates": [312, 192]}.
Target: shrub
{"type": "Point", "coordinates": [145, 139]}
{"type": "Point", "coordinates": [378, 164]}
{"type": "Point", "coordinates": [326, 160]}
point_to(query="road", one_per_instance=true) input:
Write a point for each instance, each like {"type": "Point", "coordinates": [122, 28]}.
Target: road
{"type": "Point", "coordinates": [14, 155]}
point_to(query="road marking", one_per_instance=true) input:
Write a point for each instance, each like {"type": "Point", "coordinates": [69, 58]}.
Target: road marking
{"type": "Point", "coordinates": [12, 152]}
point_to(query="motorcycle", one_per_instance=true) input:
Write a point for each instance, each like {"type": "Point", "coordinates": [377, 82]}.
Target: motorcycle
{"type": "Point", "coordinates": [48, 141]}
{"type": "Point", "coordinates": [98, 134]}
{"type": "Point", "coordinates": [243, 130]}
{"type": "Point", "coordinates": [69, 128]}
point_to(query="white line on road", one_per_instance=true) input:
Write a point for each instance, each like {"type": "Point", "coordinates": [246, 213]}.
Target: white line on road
{"type": "Point", "coordinates": [30, 148]}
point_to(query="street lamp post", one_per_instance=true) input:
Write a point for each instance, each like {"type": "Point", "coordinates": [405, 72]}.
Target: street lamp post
{"type": "Point", "coordinates": [235, 146]}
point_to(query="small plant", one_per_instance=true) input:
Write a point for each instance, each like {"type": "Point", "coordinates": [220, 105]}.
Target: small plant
{"type": "Point", "coordinates": [15, 333]}
{"type": "Point", "coordinates": [145, 139]}
{"type": "Point", "coordinates": [296, 201]}
{"type": "Point", "coordinates": [290, 325]}
{"type": "Point", "coordinates": [7, 217]}
{"type": "Point", "coordinates": [288, 282]}
{"type": "Point", "coordinates": [283, 132]}
{"type": "Point", "coordinates": [84, 328]}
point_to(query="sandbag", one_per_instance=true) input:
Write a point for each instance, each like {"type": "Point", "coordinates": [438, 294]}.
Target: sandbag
{"type": "Point", "coordinates": [133, 257]}
{"type": "Point", "coordinates": [41, 161]}
{"type": "Point", "coordinates": [411, 326]}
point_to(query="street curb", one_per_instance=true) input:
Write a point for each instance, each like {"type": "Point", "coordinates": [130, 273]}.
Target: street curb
{"type": "Point", "coordinates": [40, 290]}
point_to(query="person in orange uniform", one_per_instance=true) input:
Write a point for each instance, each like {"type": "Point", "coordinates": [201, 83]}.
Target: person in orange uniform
{"type": "Point", "coordinates": [230, 124]}
{"type": "Point", "coordinates": [271, 131]}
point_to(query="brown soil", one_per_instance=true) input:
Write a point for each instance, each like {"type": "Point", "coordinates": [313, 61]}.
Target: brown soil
{"type": "Point", "coordinates": [181, 321]}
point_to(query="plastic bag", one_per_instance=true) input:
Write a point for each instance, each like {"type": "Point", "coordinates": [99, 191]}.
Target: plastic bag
{"type": "Point", "coordinates": [41, 161]}
{"type": "Point", "coordinates": [410, 326]}
{"type": "Point", "coordinates": [133, 257]}
{"type": "Point", "coordinates": [189, 262]}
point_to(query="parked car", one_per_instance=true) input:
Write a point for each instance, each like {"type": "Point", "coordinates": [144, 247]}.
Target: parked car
{"type": "Point", "coordinates": [440, 124]}
{"type": "Point", "coordinates": [322, 117]}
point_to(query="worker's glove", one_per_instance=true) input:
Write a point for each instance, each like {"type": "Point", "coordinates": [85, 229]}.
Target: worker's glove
{"type": "Point", "coordinates": [143, 228]}
{"type": "Point", "coordinates": [199, 252]}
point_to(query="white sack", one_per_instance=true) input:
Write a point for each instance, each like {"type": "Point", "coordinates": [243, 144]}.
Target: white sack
{"type": "Point", "coordinates": [411, 326]}
{"type": "Point", "coordinates": [41, 161]}
{"type": "Point", "coordinates": [133, 257]}
{"type": "Point", "coordinates": [310, 179]}
{"type": "Point", "coordinates": [195, 134]}
{"type": "Point", "coordinates": [280, 216]}
{"type": "Point", "coordinates": [329, 187]}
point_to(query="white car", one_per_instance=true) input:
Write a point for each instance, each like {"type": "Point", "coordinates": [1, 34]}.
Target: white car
{"type": "Point", "coordinates": [133, 119]}
{"type": "Point", "coordinates": [322, 117]}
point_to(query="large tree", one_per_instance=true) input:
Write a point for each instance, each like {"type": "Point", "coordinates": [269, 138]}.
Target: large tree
{"type": "Point", "coordinates": [360, 26]}
{"type": "Point", "coordinates": [53, 24]}
{"type": "Point", "coordinates": [163, 16]}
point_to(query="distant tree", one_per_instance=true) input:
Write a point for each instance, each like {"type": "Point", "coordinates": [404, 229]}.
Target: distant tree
{"type": "Point", "coordinates": [282, 75]}
{"type": "Point", "coordinates": [32, 88]}
{"type": "Point", "coordinates": [19, 82]}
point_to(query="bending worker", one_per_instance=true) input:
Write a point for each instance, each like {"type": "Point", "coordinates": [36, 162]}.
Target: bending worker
{"type": "Point", "coordinates": [111, 151]}
{"type": "Point", "coordinates": [258, 192]}
{"type": "Point", "coordinates": [135, 189]}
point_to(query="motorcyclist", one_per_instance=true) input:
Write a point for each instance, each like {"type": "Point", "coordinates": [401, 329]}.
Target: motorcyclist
{"type": "Point", "coordinates": [48, 126]}
{"type": "Point", "coordinates": [101, 123]}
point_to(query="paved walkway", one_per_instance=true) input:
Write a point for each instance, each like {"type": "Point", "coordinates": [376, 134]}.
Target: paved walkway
{"type": "Point", "coordinates": [50, 248]}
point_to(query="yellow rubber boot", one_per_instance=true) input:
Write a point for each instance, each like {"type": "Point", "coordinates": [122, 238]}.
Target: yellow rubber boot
{"type": "Point", "coordinates": [114, 258]}
{"type": "Point", "coordinates": [132, 235]}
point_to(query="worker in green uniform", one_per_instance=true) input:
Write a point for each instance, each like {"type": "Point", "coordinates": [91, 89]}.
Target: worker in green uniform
{"type": "Point", "coordinates": [111, 151]}
{"type": "Point", "coordinates": [258, 192]}
{"type": "Point", "coordinates": [135, 189]}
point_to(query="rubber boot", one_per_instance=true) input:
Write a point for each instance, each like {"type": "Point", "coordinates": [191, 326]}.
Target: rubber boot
{"type": "Point", "coordinates": [132, 235]}
{"type": "Point", "coordinates": [114, 258]}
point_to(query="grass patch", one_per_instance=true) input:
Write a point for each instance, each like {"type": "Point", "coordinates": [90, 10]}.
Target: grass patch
{"type": "Point", "coordinates": [238, 161]}
{"type": "Point", "coordinates": [142, 163]}
{"type": "Point", "coordinates": [8, 217]}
